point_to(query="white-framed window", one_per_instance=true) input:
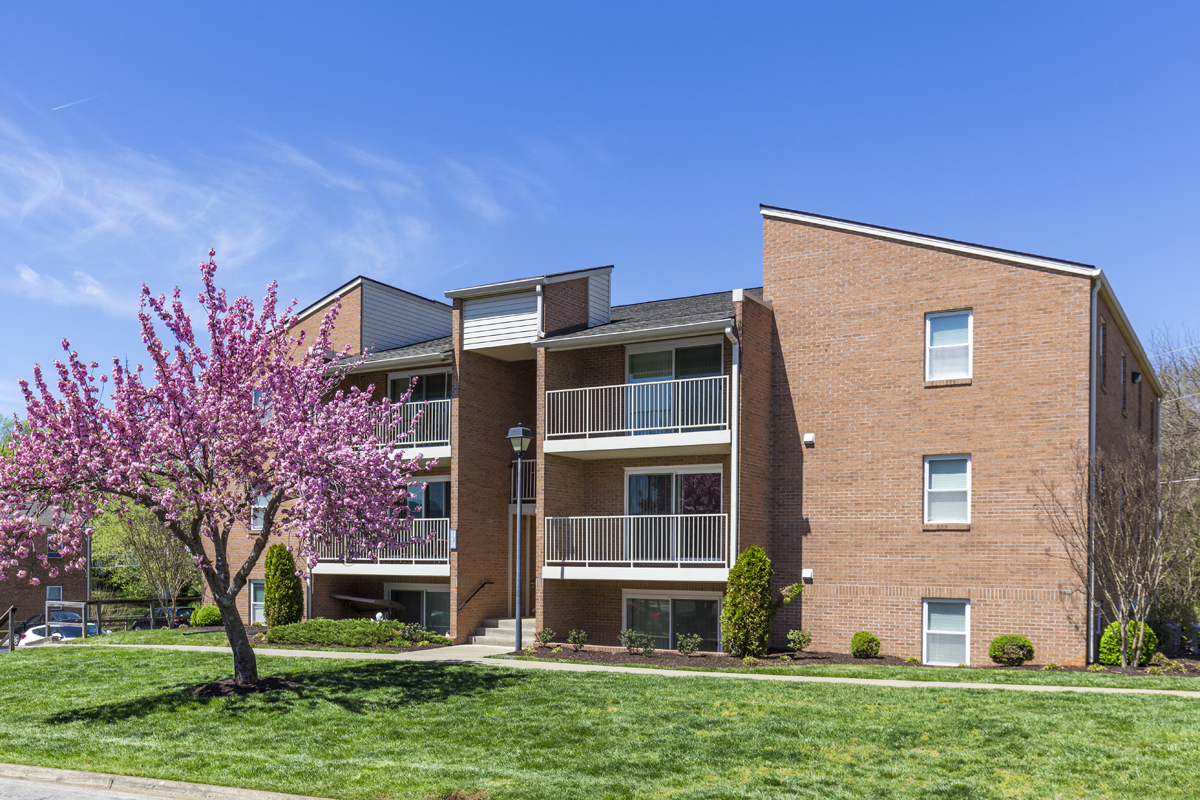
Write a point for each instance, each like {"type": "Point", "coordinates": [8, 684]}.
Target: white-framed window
{"type": "Point", "coordinates": [687, 489]}
{"type": "Point", "coordinates": [432, 501]}
{"type": "Point", "coordinates": [945, 634]}
{"type": "Point", "coordinates": [258, 599]}
{"type": "Point", "coordinates": [427, 604]}
{"type": "Point", "coordinates": [50, 551]}
{"type": "Point", "coordinates": [665, 616]}
{"type": "Point", "coordinates": [947, 489]}
{"type": "Point", "coordinates": [432, 384]}
{"type": "Point", "coordinates": [666, 391]}
{"type": "Point", "coordinates": [258, 511]}
{"type": "Point", "coordinates": [54, 594]}
{"type": "Point", "coordinates": [949, 345]}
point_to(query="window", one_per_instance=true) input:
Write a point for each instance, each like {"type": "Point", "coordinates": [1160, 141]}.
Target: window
{"type": "Point", "coordinates": [655, 405]}
{"type": "Point", "coordinates": [949, 339]}
{"type": "Point", "coordinates": [431, 502]}
{"type": "Point", "coordinates": [1103, 353]}
{"type": "Point", "coordinates": [1122, 383]}
{"type": "Point", "coordinates": [667, 617]}
{"type": "Point", "coordinates": [54, 594]}
{"type": "Point", "coordinates": [258, 597]}
{"type": "Point", "coordinates": [428, 386]}
{"type": "Point", "coordinates": [947, 489]}
{"type": "Point", "coordinates": [428, 606]}
{"type": "Point", "coordinates": [674, 514]}
{"type": "Point", "coordinates": [258, 511]}
{"type": "Point", "coordinates": [50, 551]}
{"type": "Point", "coordinates": [946, 623]}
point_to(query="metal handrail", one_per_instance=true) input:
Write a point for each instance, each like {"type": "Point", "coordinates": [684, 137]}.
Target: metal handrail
{"type": "Point", "coordinates": [416, 424]}
{"type": "Point", "coordinates": [431, 544]}
{"type": "Point", "coordinates": [464, 603]}
{"type": "Point", "coordinates": [634, 540]}
{"type": "Point", "coordinates": [630, 409]}
{"type": "Point", "coordinates": [8, 615]}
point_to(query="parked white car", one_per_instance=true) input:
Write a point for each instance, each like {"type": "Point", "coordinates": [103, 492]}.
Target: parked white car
{"type": "Point", "coordinates": [58, 632]}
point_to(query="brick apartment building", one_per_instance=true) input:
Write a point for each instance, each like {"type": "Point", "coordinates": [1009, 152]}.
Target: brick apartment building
{"type": "Point", "coordinates": [872, 416]}
{"type": "Point", "coordinates": [30, 599]}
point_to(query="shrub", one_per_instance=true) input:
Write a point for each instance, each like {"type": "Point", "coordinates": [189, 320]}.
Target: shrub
{"type": "Point", "coordinates": [557, 649]}
{"type": "Point", "coordinates": [544, 637]}
{"type": "Point", "coordinates": [1174, 666]}
{"type": "Point", "coordinates": [1160, 659]}
{"type": "Point", "coordinates": [1096, 668]}
{"type": "Point", "coordinates": [798, 640]}
{"type": "Point", "coordinates": [864, 645]}
{"type": "Point", "coordinates": [206, 617]}
{"type": "Point", "coordinates": [1110, 644]}
{"type": "Point", "coordinates": [1154, 670]}
{"type": "Point", "coordinates": [350, 633]}
{"type": "Point", "coordinates": [577, 639]}
{"type": "Point", "coordinates": [784, 657]}
{"type": "Point", "coordinates": [913, 660]}
{"type": "Point", "coordinates": [1011, 650]}
{"type": "Point", "coordinates": [750, 606]}
{"type": "Point", "coordinates": [528, 649]}
{"type": "Point", "coordinates": [647, 644]}
{"type": "Point", "coordinates": [688, 643]}
{"type": "Point", "coordinates": [631, 640]}
{"type": "Point", "coordinates": [283, 601]}
{"type": "Point", "coordinates": [750, 661]}
{"type": "Point", "coordinates": [1051, 667]}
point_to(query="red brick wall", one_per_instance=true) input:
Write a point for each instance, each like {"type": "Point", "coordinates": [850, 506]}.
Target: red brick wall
{"type": "Point", "coordinates": [1111, 420]}
{"type": "Point", "coordinates": [347, 330]}
{"type": "Point", "coordinates": [30, 599]}
{"type": "Point", "coordinates": [368, 586]}
{"type": "Point", "coordinates": [849, 367]}
{"type": "Point", "coordinates": [755, 323]}
{"type": "Point", "coordinates": [564, 306]}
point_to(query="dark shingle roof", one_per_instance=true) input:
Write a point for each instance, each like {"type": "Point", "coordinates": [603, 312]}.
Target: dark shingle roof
{"type": "Point", "coordinates": [429, 348]}
{"type": "Point", "coordinates": [660, 314]}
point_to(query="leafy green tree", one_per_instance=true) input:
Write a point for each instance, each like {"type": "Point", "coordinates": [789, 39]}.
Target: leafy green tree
{"type": "Point", "coordinates": [750, 604]}
{"type": "Point", "coordinates": [284, 600]}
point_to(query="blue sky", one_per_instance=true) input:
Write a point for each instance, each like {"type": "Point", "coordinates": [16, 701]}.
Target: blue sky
{"type": "Point", "coordinates": [435, 147]}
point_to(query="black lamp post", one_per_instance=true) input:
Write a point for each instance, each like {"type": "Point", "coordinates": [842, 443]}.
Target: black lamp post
{"type": "Point", "coordinates": [519, 437]}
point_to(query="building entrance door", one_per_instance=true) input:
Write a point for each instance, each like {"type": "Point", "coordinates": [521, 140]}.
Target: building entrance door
{"type": "Point", "coordinates": [528, 564]}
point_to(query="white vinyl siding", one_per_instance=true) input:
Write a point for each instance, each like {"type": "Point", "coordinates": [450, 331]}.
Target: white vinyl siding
{"type": "Point", "coordinates": [599, 300]}
{"type": "Point", "coordinates": [949, 345]}
{"type": "Point", "coordinates": [395, 318]}
{"type": "Point", "coordinates": [500, 320]}
{"type": "Point", "coordinates": [947, 489]}
{"type": "Point", "coordinates": [946, 626]}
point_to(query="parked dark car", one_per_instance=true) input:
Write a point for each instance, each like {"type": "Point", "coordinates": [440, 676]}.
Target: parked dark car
{"type": "Point", "coordinates": [55, 616]}
{"type": "Point", "coordinates": [165, 618]}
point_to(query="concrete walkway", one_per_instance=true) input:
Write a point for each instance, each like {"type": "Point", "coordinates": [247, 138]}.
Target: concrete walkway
{"type": "Point", "coordinates": [478, 654]}
{"type": "Point", "coordinates": [23, 782]}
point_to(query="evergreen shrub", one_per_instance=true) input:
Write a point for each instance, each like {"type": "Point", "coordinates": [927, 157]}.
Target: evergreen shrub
{"type": "Point", "coordinates": [283, 603]}
{"type": "Point", "coordinates": [864, 644]}
{"type": "Point", "coordinates": [1011, 650]}
{"type": "Point", "coordinates": [1110, 644]}
{"type": "Point", "coordinates": [206, 617]}
{"type": "Point", "coordinates": [750, 605]}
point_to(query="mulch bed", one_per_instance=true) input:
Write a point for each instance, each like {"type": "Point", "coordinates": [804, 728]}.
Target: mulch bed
{"type": "Point", "coordinates": [230, 688]}
{"type": "Point", "coordinates": [671, 659]}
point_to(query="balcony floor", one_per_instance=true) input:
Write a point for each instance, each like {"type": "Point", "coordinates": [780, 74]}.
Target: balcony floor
{"type": "Point", "coordinates": [693, 574]}
{"type": "Point", "coordinates": [690, 443]}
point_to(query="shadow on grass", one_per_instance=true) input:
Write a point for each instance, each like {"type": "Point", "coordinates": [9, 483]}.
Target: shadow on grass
{"type": "Point", "coordinates": [359, 689]}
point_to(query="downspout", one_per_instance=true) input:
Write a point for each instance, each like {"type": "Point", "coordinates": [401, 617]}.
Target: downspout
{"type": "Point", "coordinates": [735, 413]}
{"type": "Point", "coordinates": [541, 328]}
{"type": "Point", "coordinates": [1092, 388]}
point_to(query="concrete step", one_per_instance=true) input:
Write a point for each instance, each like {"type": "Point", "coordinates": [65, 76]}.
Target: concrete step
{"type": "Point", "coordinates": [503, 632]}
{"type": "Point", "coordinates": [527, 624]}
{"type": "Point", "coordinates": [497, 641]}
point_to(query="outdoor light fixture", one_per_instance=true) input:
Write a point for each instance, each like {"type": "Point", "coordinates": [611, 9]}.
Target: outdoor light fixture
{"type": "Point", "coordinates": [519, 437]}
{"type": "Point", "coordinates": [1137, 378]}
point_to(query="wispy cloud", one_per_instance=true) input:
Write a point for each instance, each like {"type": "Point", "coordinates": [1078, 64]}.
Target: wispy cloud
{"type": "Point", "coordinates": [84, 291]}
{"type": "Point", "coordinates": [76, 102]}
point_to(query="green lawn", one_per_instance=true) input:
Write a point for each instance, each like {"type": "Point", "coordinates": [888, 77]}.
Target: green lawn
{"type": "Point", "coordinates": [157, 636]}
{"type": "Point", "coordinates": [406, 730]}
{"type": "Point", "coordinates": [1190, 682]}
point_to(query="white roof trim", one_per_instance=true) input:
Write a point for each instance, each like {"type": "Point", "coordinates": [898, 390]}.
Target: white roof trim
{"type": "Point", "coordinates": [312, 308]}
{"type": "Point", "coordinates": [930, 241]}
{"type": "Point", "coordinates": [643, 335]}
{"type": "Point", "coordinates": [1110, 298]}
{"type": "Point", "coordinates": [525, 283]}
{"type": "Point", "coordinates": [422, 359]}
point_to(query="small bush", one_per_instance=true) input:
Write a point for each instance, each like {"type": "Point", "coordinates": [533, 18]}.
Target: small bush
{"type": "Point", "coordinates": [1174, 666]}
{"type": "Point", "coordinates": [631, 640]}
{"type": "Point", "coordinates": [206, 617]}
{"type": "Point", "coordinates": [750, 661]}
{"type": "Point", "coordinates": [528, 649]}
{"type": "Point", "coordinates": [544, 637]}
{"type": "Point", "coordinates": [283, 593]}
{"type": "Point", "coordinates": [1011, 650]}
{"type": "Point", "coordinates": [1160, 659]}
{"type": "Point", "coordinates": [647, 644]}
{"type": "Point", "coordinates": [557, 649]}
{"type": "Point", "coordinates": [784, 657]}
{"type": "Point", "coordinates": [913, 660]}
{"type": "Point", "coordinates": [750, 604]}
{"type": "Point", "coordinates": [1097, 668]}
{"type": "Point", "coordinates": [1154, 670]}
{"type": "Point", "coordinates": [1110, 644]}
{"type": "Point", "coordinates": [864, 645]}
{"type": "Point", "coordinates": [577, 639]}
{"type": "Point", "coordinates": [412, 632]}
{"type": "Point", "coordinates": [351, 633]}
{"type": "Point", "coordinates": [688, 643]}
{"type": "Point", "coordinates": [798, 640]}
{"type": "Point", "coordinates": [1052, 667]}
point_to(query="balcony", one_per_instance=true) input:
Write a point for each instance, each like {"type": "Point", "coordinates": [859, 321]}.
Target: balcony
{"type": "Point", "coordinates": [528, 484]}
{"type": "Point", "coordinates": [430, 437]}
{"type": "Point", "coordinates": [689, 415]}
{"type": "Point", "coordinates": [430, 555]}
{"type": "Point", "coordinates": [683, 547]}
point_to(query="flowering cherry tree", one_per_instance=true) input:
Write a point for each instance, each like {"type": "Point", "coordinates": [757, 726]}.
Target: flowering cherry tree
{"type": "Point", "coordinates": [248, 422]}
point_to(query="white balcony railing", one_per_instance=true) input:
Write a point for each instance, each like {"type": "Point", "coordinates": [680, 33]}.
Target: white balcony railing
{"type": "Point", "coordinates": [433, 549]}
{"type": "Point", "coordinates": [528, 482]}
{"type": "Point", "coordinates": [432, 429]}
{"type": "Point", "coordinates": [676, 406]}
{"type": "Point", "coordinates": [652, 541]}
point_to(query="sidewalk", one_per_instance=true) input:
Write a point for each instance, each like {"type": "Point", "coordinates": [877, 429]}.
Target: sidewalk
{"type": "Point", "coordinates": [478, 655]}
{"type": "Point", "coordinates": [23, 782]}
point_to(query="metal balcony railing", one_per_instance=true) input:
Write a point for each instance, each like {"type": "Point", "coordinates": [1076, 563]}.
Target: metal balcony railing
{"type": "Point", "coordinates": [674, 406]}
{"type": "Point", "coordinates": [433, 549]}
{"type": "Point", "coordinates": [432, 429]}
{"type": "Point", "coordinates": [650, 541]}
{"type": "Point", "coordinates": [528, 482]}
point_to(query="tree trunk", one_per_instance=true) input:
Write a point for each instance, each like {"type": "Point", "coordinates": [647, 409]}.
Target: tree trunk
{"type": "Point", "coordinates": [245, 668]}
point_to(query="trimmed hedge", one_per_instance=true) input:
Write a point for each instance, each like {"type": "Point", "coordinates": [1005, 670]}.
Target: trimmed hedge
{"type": "Point", "coordinates": [283, 602]}
{"type": "Point", "coordinates": [206, 617]}
{"type": "Point", "coordinates": [1011, 650]}
{"type": "Point", "coordinates": [351, 633]}
{"type": "Point", "coordinates": [864, 645]}
{"type": "Point", "coordinates": [1110, 644]}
